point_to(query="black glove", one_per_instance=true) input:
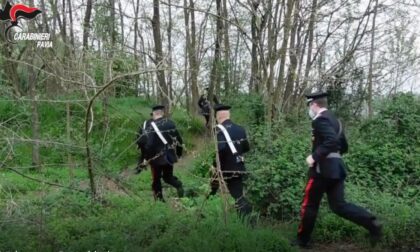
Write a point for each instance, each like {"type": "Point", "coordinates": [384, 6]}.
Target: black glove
{"type": "Point", "coordinates": [179, 150]}
{"type": "Point", "coordinates": [140, 167]}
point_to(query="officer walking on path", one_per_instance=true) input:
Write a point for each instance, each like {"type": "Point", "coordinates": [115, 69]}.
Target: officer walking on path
{"type": "Point", "coordinates": [205, 106]}
{"type": "Point", "coordinates": [232, 143]}
{"type": "Point", "coordinates": [164, 146]}
{"type": "Point", "coordinates": [327, 174]}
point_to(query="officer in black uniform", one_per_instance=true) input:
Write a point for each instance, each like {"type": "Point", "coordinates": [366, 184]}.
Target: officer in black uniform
{"type": "Point", "coordinates": [204, 105]}
{"type": "Point", "coordinates": [231, 164]}
{"type": "Point", "coordinates": [163, 155]}
{"type": "Point", "coordinates": [327, 174]}
{"type": "Point", "coordinates": [141, 145]}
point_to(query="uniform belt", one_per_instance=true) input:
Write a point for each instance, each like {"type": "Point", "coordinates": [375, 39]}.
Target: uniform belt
{"type": "Point", "coordinates": [331, 155]}
{"type": "Point", "coordinates": [334, 155]}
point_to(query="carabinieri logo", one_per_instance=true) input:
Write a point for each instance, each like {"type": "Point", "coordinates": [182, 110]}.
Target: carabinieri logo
{"type": "Point", "coordinates": [13, 13]}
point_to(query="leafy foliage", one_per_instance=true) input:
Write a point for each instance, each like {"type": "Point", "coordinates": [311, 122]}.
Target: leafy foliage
{"type": "Point", "coordinates": [385, 152]}
{"type": "Point", "coordinates": [74, 223]}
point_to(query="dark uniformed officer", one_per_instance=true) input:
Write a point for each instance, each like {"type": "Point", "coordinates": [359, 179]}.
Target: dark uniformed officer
{"type": "Point", "coordinates": [164, 145]}
{"type": "Point", "coordinates": [231, 159]}
{"type": "Point", "coordinates": [327, 174]}
{"type": "Point", "coordinates": [141, 145]}
{"type": "Point", "coordinates": [204, 105]}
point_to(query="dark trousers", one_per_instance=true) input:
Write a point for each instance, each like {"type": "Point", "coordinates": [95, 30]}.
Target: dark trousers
{"type": "Point", "coordinates": [207, 117]}
{"type": "Point", "coordinates": [335, 192]}
{"type": "Point", "coordinates": [235, 187]}
{"type": "Point", "coordinates": [167, 173]}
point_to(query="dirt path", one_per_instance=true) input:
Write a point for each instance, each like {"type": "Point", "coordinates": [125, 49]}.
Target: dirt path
{"type": "Point", "coordinates": [198, 145]}
{"type": "Point", "coordinates": [342, 247]}
{"type": "Point", "coordinates": [190, 155]}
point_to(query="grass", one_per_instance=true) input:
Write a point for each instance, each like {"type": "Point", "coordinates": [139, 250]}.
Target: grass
{"type": "Point", "coordinates": [38, 217]}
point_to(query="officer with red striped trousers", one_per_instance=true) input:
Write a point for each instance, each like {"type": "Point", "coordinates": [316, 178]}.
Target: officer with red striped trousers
{"type": "Point", "coordinates": [327, 174]}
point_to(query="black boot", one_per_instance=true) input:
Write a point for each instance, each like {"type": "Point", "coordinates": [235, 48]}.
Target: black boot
{"type": "Point", "coordinates": [158, 196]}
{"type": "Point", "coordinates": [375, 233]}
{"type": "Point", "coordinates": [139, 168]}
{"type": "Point", "coordinates": [180, 191]}
{"type": "Point", "coordinates": [301, 244]}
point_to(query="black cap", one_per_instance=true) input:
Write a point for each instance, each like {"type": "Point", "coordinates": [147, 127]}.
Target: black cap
{"type": "Point", "coordinates": [221, 107]}
{"type": "Point", "coordinates": [158, 107]}
{"type": "Point", "coordinates": [315, 96]}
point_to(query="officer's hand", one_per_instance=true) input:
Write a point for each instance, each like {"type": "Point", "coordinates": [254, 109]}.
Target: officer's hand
{"type": "Point", "coordinates": [310, 161]}
{"type": "Point", "coordinates": [179, 150]}
{"type": "Point", "coordinates": [141, 167]}
{"type": "Point", "coordinates": [138, 170]}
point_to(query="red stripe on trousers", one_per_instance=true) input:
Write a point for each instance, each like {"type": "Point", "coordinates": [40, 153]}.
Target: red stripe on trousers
{"type": "Point", "coordinates": [154, 175]}
{"type": "Point", "coordinates": [305, 202]}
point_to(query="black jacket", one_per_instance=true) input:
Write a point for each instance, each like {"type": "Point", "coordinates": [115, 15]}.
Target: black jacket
{"type": "Point", "coordinates": [204, 105]}
{"type": "Point", "coordinates": [325, 140]}
{"type": "Point", "coordinates": [141, 140]}
{"type": "Point", "coordinates": [228, 162]}
{"type": "Point", "coordinates": [155, 146]}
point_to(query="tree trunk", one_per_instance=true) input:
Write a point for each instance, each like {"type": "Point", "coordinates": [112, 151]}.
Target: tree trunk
{"type": "Point", "coordinates": [44, 17]}
{"type": "Point", "coordinates": [68, 136]}
{"type": "Point", "coordinates": [64, 28]}
{"type": "Point", "coordinates": [194, 59]}
{"type": "Point", "coordinates": [291, 76]}
{"type": "Point", "coordinates": [191, 47]}
{"type": "Point", "coordinates": [86, 24]}
{"type": "Point", "coordinates": [36, 159]}
{"type": "Point", "coordinates": [215, 71]}
{"type": "Point", "coordinates": [162, 87]}
{"type": "Point", "coordinates": [254, 80]}
{"type": "Point", "coordinates": [169, 32]}
{"type": "Point", "coordinates": [226, 63]}
{"type": "Point", "coordinates": [236, 64]}
{"type": "Point", "coordinates": [57, 17]}
{"type": "Point", "coordinates": [282, 55]}
{"type": "Point", "coordinates": [136, 52]}
{"type": "Point", "coordinates": [32, 82]}
{"type": "Point", "coordinates": [10, 68]}
{"type": "Point", "coordinates": [109, 71]}
{"type": "Point", "coordinates": [187, 79]}
{"type": "Point", "coordinates": [122, 24]}
{"type": "Point", "coordinates": [272, 35]}
{"type": "Point", "coordinates": [372, 55]}
{"type": "Point", "coordinates": [71, 25]}
{"type": "Point", "coordinates": [311, 28]}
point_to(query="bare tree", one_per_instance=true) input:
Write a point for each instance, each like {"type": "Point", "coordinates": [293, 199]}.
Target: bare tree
{"type": "Point", "coordinates": [311, 28]}
{"type": "Point", "coordinates": [371, 59]}
{"type": "Point", "coordinates": [254, 80]}
{"type": "Point", "coordinates": [226, 45]}
{"type": "Point", "coordinates": [71, 25]}
{"type": "Point", "coordinates": [282, 53]}
{"type": "Point", "coordinates": [44, 17]}
{"type": "Point", "coordinates": [121, 23]}
{"type": "Point", "coordinates": [169, 33]}
{"type": "Point", "coordinates": [86, 24]}
{"type": "Point", "coordinates": [159, 60]}
{"type": "Point", "coordinates": [293, 58]}
{"type": "Point", "coordinates": [32, 83]}
{"type": "Point", "coordinates": [191, 49]}
{"type": "Point", "coordinates": [215, 70]}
